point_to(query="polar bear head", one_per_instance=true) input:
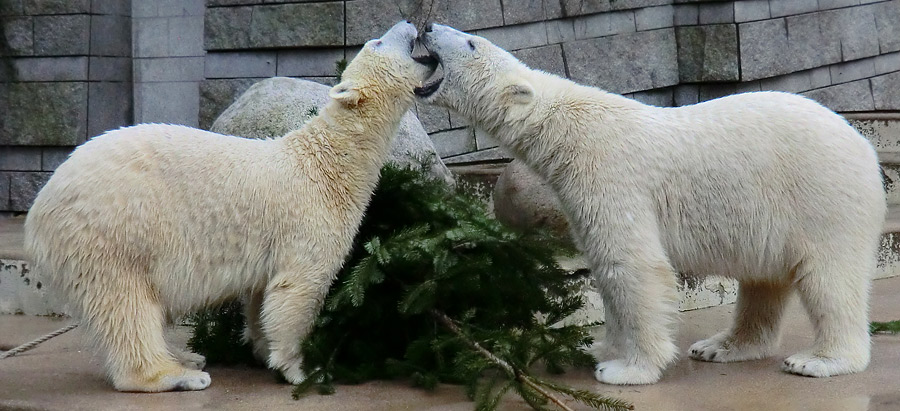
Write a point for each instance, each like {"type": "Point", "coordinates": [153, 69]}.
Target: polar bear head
{"type": "Point", "coordinates": [476, 78]}
{"type": "Point", "coordinates": [383, 74]}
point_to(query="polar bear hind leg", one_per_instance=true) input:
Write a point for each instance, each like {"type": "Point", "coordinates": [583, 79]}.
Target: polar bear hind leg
{"type": "Point", "coordinates": [131, 332]}
{"type": "Point", "coordinates": [835, 289]}
{"type": "Point", "coordinates": [755, 331]}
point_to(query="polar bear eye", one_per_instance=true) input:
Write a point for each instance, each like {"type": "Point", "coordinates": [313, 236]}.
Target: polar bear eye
{"type": "Point", "coordinates": [472, 45]}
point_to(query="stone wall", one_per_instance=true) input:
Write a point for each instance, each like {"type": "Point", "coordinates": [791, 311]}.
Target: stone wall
{"type": "Point", "coordinates": [65, 75]}
{"type": "Point", "coordinates": [67, 66]}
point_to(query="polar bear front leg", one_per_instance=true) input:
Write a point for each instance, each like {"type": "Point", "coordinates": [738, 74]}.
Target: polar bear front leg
{"type": "Point", "coordinates": [289, 311]}
{"type": "Point", "coordinates": [756, 326]}
{"type": "Point", "coordinates": [643, 296]}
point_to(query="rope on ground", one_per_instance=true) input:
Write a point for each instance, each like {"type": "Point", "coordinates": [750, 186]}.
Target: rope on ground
{"type": "Point", "coordinates": [27, 346]}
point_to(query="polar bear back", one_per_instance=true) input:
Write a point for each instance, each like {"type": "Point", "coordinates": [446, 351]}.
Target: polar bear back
{"type": "Point", "coordinates": [758, 180]}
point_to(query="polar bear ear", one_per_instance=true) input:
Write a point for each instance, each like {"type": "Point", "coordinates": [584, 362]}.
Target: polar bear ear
{"type": "Point", "coordinates": [345, 93]}
{"type": "Point", "coordinates": [520, 91]}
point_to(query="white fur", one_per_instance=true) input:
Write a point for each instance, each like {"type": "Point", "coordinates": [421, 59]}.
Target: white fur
{"type": "Point", "coordinates": [769, 188]}
{"type": "Point", "coordinates": [149, 222]}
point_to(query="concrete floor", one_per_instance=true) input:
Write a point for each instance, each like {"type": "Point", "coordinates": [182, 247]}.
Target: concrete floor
{"type": "Point", "coordinates": [61, 375]}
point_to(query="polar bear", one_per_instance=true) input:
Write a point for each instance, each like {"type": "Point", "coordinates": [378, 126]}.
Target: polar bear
{"type": "Point", "coordinates": [768, 188]}
{"type": "Point", "coordinates": [147, 223]}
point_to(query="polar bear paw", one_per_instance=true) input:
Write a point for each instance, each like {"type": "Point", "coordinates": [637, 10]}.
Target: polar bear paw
{"type": "Point", "coordinates": [191, 360]}
{"type": "Point", "coordinates": [812, 365]}
{"type": "Point", "coordinates": [190, 380]}
{"type": "Point", "coordinates": [720, 348]}
{"type": "Point", "coordinates": [618, 372]}
{"type": "Point", "coordinates": [293, 372]}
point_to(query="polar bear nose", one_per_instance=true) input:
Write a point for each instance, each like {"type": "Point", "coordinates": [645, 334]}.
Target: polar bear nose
{"type": "Point", "coordinates": [429, 26]}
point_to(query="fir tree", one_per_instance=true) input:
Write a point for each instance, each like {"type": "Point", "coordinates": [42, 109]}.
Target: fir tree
{"type": "Point", "coordinates": [437, 291]}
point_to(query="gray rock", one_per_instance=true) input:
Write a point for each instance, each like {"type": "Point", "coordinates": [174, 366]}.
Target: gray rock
{"type": "Point", "coordinates": [454, 142]}
{"type": "Point", "coordinates": [24, 187]}
{"type": "Point", "coordinates": [44, 114]}
{"type": "Point", "coordinates": [524, 201]}
{"type": "Point", "coordinates": [708, 53]}
{"type": "Point", "coordinates": [545, 58]}
{"type": "Point", "coordinates": [217, 95]}
{"type": "Point", "coordinates": [275, 106]}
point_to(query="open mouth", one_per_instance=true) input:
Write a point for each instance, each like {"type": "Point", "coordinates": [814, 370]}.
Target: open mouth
{"type": "Point", "coordinates": [433, 82]}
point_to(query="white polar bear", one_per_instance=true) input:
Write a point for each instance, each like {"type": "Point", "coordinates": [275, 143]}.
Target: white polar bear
{"type": "Point", "coordinates": [149, 222]}
{"type": "Point", "coordinates": [771, 189]}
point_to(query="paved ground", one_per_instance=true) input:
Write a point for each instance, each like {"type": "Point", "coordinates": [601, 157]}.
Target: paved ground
{"type": "Point", "coordinates": [60, 375]}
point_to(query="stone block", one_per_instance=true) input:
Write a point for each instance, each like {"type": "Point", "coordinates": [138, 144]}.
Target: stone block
{"type": "Point", "coordinates": [24, 187]}
{"type": "Point", "coordinates": [715, 90]}
{"type": "Point", "coordinates": [226, 28]}
{"type": "Point", "coordinates": [51, 69]}
{"type": "Point", "coordinates": [20, 158]}
{"type": "Point", "coordinates": [113, 7]}
{"type": "Point", "coordinates": [452, 142]}
{"type": "Point", "coordinates": [560, 31]}
{"type": "Point", "coordinates": [853, 96]}
{"type": "Point", "coordinates": [781, 8]}
{"type": "Point", "coordinates": [747, 87]}
{"type": "Point", "coordinates": [604, 24]}
{"type": "Point", "coordinates": [18, 36]}
{"type": "Point", "coordinates": [887, 63]}
{"type": "Point", "coordinates": [36, 7]}
{"type": "Point", "coordinates": [686, 94]}
{"type": "Point", "coordinates": [457, 120]}
{"type": "Point", "coordinates": [240, 64]}
{"type": "Point", "coordinates": [63, 35]}
{"type": "Point", "coordinates": [324, 80]}
{"type": "Point", "coordinates": [751, 10]}
{"type": "Point", "coordinates": [111, 36]}
{"type": "Point", "coordinates": [654, 18]}
{"type": "Point", "coordinates": [633, 62]}
{"type": "Point", "coordinates": [791, 83]}
{"type": "Point", "coordinates": [173, 103]}
{"type": "Point", "coordinates": [484, 141]}
{"type": "Point", "coordinates": [11, 8]}
{"type": "Point", "coordinates": [167, 69]}
{"type": "Point", "coordinates": [820, 77]}
{"type": "Point", "coordinates": [887, 19]}
{"type": "Point", "coordinates": [687, 14]}
{"type": "Point", "coordinates": [886, 91]}
{"type": "Point", "coordinates": [217, 95]}
{"type": "Point", "coordinates": [52, 157]}
{"type": "Point", "coordinates": [659, 98]}
{"type": "Point", "coordinates": [834, 4]}
{"type": "Point", "coordinates": [583, 7]}
{"type": "Point", "coordinates": [516, 37]}
{"type": "Point", "coordinates": [764, 45]}
{"type": "Point", "coordinates": [43, 114]}
{"type": "Point", "coordinates": [309, 62]}
{"type": "Point", "coordinates": [298, 25]}
{"type": "Point", "coordinates": [708, 53]}
{"type": "Point", "coordinates": [109, 107]}
{"type": "Point", "coordinates": [143, 8]}
{"type": "Point", "coordinates": [856, 29]}
{"type": "Point", "coordinates": [469, 14]}
{"type": "Point", "coordinates": [853, 70]}
{"type": "Point", "coordinates": [367, 19]}
{"type": "Point", "coordinates": [717, 13]}
{"type": "Point", "coordinates": [177, 8]}
{"type": "Point", "coordinates": [110, 69]}
{"type": "Point", "coordinates": [493, 155]}
{"type": "Point", "coordinates": [4, 191]}
{"type": "Point", "coordinates": [526, 11]}
{"type": "Point", "coordinates": [151, 37]}
{"type": "Point", "coordinates": [433, 118]}
{"type": "Point", "coordinates": [186, 36]}
{"type": "Point", "coordinates": [546, 58]}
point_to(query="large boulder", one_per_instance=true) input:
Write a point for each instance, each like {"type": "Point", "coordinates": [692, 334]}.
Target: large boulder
{"type": "Point", "coordinates": [523, 200]}
{"type": "Point", "coordinates": [275, 106]}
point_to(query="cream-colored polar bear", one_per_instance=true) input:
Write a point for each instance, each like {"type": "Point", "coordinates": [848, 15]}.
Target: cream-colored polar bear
{"type": "Point", "coordinates": [149, 222]}
{"type": "Point", "coordinates": [768, 188]}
